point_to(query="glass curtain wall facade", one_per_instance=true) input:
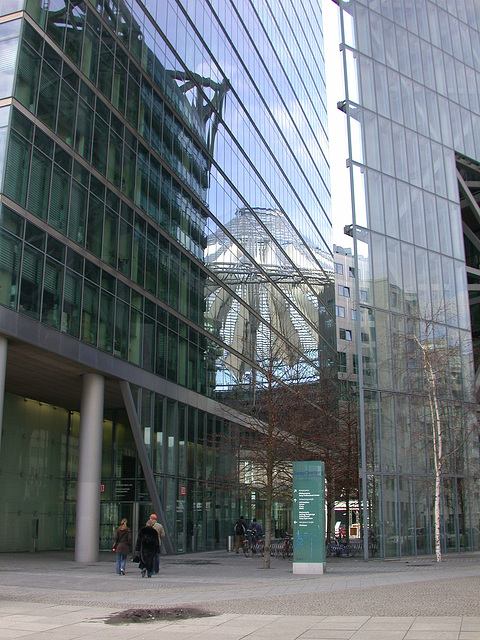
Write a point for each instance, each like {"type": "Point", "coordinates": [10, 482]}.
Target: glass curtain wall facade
{"type": "Point", "coordinates": [131, 136]}
{"type": "Point", "coordinates": [412, 72]}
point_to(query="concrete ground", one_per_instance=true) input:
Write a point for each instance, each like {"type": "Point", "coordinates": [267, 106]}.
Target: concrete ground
{"type": "Point", "coordinates": [49, 596]}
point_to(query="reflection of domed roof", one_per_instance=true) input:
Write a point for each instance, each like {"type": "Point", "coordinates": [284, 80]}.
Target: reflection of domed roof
{"type": "Point", "coordinates": [249, 229]}
{"type": "Point", "coordinates": [272, 281]}
{"type": "Point", "coordinates": [247, 222]}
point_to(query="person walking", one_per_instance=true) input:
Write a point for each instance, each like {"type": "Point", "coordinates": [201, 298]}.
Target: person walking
{"type": "Point", "coordinates": [147, 546]}
{"type": "Point", "coordinates": [121, 545]}
{"type": "Point", "coordinates": [161, 534]}
{"type": "Point", "coordinates": [239, 529]}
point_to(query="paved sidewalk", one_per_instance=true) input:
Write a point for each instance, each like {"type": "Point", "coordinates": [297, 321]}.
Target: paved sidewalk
{"type": "Point", "coordinates": [49, 596]}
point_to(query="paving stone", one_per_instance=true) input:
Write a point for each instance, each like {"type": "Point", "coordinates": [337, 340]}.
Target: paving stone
{"type": "Point", "coordinates": [413, 599]}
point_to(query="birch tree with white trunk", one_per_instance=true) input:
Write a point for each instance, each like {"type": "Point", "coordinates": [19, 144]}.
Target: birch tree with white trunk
{"type": "Point", "coordinates": [440, 360]}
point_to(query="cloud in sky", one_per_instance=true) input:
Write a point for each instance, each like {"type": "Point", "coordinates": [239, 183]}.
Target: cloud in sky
{"type": "Point", "coordinates": [338, 150]}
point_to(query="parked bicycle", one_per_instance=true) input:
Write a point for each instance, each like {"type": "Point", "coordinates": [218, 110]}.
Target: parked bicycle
{"type": "Point", "coordinates": [357, 547]}
{"type": "Point", "coordinates": [339, 549]}
{"type": "Point", "coordinates": [287, 548]}
{"type": "Point", "coordinates": [253, 544]}
{"type": "Point", "coordinates": [372, 547]}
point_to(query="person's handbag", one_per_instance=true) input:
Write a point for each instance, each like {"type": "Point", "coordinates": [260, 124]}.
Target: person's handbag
{"type": "Point", "coordinates": [135, 557]}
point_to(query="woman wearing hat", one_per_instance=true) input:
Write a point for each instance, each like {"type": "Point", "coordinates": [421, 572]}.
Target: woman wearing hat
{"type": "Point", "coordinates": [147, 547]}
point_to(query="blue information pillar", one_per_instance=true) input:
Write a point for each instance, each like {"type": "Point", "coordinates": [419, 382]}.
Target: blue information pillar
{"type": "Point", "coordinates": [308, 517]}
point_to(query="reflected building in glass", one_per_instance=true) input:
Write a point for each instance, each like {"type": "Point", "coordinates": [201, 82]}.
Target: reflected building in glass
{"type": "Point", "coordinates": [164, 210]}
{"type": "Point", "coordinates": [282, 299]}
{"type": "Point", "coordinates": [412, 108]}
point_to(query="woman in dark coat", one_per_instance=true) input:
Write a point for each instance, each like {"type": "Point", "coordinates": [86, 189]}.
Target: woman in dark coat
{"type": "Point", "coordinates": [147, 546]}
{"type": "Point", "coordinates": [121, 545]}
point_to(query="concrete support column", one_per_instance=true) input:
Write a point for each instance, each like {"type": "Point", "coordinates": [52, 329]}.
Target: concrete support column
{"type": "Point", "coordinates": [89, 468]}
{"type": "Point", "coordinates": [3, 370]}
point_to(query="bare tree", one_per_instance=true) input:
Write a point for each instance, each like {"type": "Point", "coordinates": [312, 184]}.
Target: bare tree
{"type": "Point", "coordinates": [310, 420]}
{"type": "Point", "coordinates": [434, 367]}
{"type": "Point", "coordinates": [293, 414]}
{"type": "Point", "coordinates": [268, 447]}
{"type": "Point", "coordinates": [330, 421]}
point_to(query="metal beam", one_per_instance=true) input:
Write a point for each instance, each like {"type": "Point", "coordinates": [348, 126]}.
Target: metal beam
{"type": "Point", "coordinates": [471, 236]}
{"type": "Point", "coordinates": [468, 194]}
{"type": "Point", "coordinates": [473, 272]}
{"type": "Point", "coordinates": [144, 461]}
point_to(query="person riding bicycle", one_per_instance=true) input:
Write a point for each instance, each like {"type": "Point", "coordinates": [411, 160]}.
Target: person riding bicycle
{"type": "Point", "coordinates": [255, 530]}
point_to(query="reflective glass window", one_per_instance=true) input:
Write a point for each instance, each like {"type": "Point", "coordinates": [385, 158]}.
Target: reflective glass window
{"type": "Point", "coordinates": [106, 321]}
{"type": "Point", "coordinates": [94, 225]}
{"type": "Point", "coordinates": [28, 72]}
{"type": "Point", "coordinates": [10, 249]}
{"type": "Point", "coordinates": [31, 282]}
{"type": "Point", "coordinates": [120, 347]}
{"type": "Point", "coordinates": [16, 169]}
{"type": "Point", "coordinates": [71, 304]}
{"type": "Point", "coordinates": [90, 313]}
{"type": "Point", "coordinates": [52, 293]}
